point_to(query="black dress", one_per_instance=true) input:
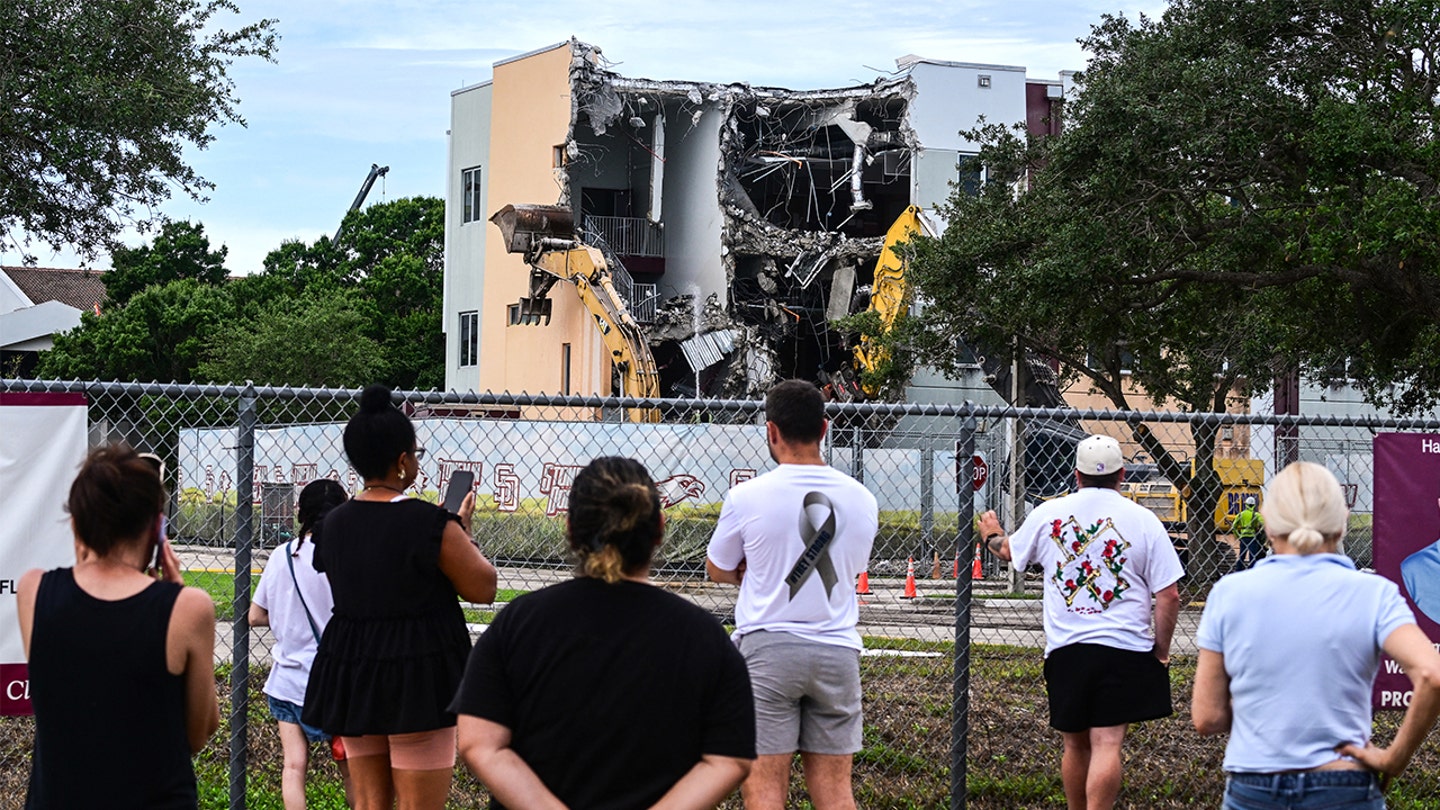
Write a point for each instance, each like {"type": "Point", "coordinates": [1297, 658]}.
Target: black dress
{"type": "Point", "coordinates": [109, 715]}
{"type": "Point", "coordinates": [393, 653]}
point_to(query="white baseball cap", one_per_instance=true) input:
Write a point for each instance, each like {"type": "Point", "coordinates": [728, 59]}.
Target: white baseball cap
{"type": "Point", "coordinates": [1098, 455]}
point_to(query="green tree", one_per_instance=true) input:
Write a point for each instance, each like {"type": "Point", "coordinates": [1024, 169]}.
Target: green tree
{"type": "Point", "coordinates": [98, 102]}
{"type": "Point", "coordinates": [180, 250]}
{"type": "Point", "coordinates": [313, 340]}
{"type": "Point", "coordinates": [160, 334]}
{"type": "Point", "coordinates": [1239, 189]}
{"type": "Point", "coordinates": [393, 255]}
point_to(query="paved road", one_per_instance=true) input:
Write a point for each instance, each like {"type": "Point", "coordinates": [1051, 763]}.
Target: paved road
{"type": "Point", "coordinates": [883, 612]}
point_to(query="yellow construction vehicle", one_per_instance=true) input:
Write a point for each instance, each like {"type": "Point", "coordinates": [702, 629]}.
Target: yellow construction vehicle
{"type": "Point", "coordinates": [545, 234]}
{"type": "Point", "coordinates": [888, 291]}
{"type": "Point", "coordinates": [1238, 478]}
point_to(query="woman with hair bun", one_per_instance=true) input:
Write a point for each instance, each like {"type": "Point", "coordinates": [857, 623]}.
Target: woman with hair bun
{"type": "Point", "coordinates": [122, 664]}
{"type": "Point", "coordinates": [395, 647]}
{"type": "Point", "coordinates": [1288, 652]}
{"type": "Point", "coordinates": [606, 691]}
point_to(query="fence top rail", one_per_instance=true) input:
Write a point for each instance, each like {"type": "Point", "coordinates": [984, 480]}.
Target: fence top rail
{"type": "Point", "coordinates": [850, 409]}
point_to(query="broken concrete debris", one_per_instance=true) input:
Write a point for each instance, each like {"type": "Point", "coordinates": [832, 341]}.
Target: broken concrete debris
{"type": "Point", "coordinates": [806, 185]}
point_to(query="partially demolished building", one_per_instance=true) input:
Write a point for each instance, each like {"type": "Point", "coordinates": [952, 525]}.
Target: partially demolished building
{"type": "Point", "coordinates": [737, 222]}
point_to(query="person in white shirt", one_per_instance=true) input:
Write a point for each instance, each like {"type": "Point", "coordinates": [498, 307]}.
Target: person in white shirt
{"type": "Point", "coordinates": [294, 600]}
{"type": "Point", "coordinates": [795, 540]}
{"type": "Point", "coordinates": [1108, 565]}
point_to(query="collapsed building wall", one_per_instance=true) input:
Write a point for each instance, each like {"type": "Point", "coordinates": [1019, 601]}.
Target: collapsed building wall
{"type": "Point", "coordinates": [771, 206]}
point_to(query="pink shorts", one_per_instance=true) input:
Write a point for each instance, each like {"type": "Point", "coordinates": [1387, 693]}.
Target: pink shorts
{"type": "Point", "coordinates": [420, 751]}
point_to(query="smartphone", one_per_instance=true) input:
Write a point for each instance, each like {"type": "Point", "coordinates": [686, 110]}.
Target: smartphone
{"type": "Point", "coordinates": [461, 482]}
{"type": "Point", "coordinates": [160, 544]}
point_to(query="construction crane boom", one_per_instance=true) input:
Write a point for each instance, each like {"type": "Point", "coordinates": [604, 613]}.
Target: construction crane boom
{"type": "Point", "coordinates": [376, 170]}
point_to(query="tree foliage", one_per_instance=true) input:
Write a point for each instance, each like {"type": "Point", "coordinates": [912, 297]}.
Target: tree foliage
{"type": "Point", "coordinates": [98, 102]}
{"type": "Point", "coordinates": [180, 250]}
{"type": "Point", "coordinates": [1239, 189]}
{"type": "Point", "coordinates": [315, 340]}
{"type": "Point", "coordinates": [159, 334]}
{"type": "Point", "coordinates": [393, 255]}
{"type": "Point", "coordinates": [315, 316]}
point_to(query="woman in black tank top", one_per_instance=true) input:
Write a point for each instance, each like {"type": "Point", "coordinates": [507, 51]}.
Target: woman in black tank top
{"type": "Point", "coordinates": [121, 664]}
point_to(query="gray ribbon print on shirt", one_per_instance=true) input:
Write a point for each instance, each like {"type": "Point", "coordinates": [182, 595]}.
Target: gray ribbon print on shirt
{"type": "Point", "coordinates": [817, 547]}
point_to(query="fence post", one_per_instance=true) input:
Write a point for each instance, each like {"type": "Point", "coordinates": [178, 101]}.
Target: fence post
{"type": "Point", "coordinates": [960, 720]}
{"type": "Point", "coordinates": [240, 655]}
{"type": "Point", "coordinates": [927, 500]}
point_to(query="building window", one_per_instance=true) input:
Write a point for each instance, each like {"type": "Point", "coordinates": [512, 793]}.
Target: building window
{"type": "Point", "coordinates": [565, 368]}
{"type": "Point", "coordinates": [470, 194]}
{"type": "Point", "coordinates": [984, 81]}
{"type": "Point", "coordinates": [558, 156]}
{"type": "Point", "coordinates": [469, 338]}
{"type": "Point", "coordinates": [970, 175]}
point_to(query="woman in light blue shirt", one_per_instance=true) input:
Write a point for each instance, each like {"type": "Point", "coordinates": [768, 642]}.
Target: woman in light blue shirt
{"type": "Point", "coordinates": [1288, 652]}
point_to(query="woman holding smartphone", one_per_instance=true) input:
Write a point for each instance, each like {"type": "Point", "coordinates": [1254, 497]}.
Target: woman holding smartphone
{"type": "Point", "coordinates": [395, 648]}
{"type": "Point", "coordinates": [122, 663]}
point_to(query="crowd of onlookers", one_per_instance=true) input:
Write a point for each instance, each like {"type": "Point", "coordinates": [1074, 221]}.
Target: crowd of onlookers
{"type": "Point", "coordinates": [605, 691]}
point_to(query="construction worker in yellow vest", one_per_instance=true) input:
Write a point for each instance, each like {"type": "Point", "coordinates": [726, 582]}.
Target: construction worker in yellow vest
{"type": "Point", "coordinates": [1249, 529]}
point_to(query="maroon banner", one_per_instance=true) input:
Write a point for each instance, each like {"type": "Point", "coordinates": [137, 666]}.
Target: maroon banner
{"type": "Point", "coordinates": [14, 689]}
{"type": "Point", "coordinates": [16, 398]}
{"type": "Point", "coordinates": [1407, 541]}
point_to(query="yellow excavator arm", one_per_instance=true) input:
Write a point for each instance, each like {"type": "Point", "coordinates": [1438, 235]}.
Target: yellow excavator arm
{"type": "Point", "coordinates": [888, 292]}
{"type": "Point", "coordinates": [545, 235]}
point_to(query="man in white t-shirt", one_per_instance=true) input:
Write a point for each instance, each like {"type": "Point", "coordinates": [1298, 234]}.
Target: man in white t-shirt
{"type": "Point", "coordinates": [1108, 564]}
{"type": "Point", "coordinates": [795, 539]}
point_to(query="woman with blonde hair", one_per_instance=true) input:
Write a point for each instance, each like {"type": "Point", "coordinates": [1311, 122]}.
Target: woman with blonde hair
{"type": "Point", "coordinates": [606, 691]}
{"type": "Point", "coordinates": [1288, 652]}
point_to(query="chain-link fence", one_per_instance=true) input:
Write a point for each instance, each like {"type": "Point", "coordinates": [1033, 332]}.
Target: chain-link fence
{"type": "Point", "coordinates": [955, 711]}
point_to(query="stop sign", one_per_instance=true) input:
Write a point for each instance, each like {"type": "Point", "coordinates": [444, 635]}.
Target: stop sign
{"type": "Point", "coordinates": [980, 474]}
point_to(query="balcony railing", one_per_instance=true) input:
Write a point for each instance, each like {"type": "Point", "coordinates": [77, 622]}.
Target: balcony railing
{"type": "Point", "coordinates": [627, 236]}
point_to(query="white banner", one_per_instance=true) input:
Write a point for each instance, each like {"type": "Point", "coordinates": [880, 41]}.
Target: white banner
{"type": "Point", "coordinates": [43, 439]}
{"type": "Point", "coordinates": [517, 461]}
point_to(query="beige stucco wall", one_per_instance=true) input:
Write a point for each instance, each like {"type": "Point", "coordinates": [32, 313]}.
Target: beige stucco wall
{"type": "Point", "coordinates": [1233, 442]}
{"type": "Point", "coordinates": [530, 116]}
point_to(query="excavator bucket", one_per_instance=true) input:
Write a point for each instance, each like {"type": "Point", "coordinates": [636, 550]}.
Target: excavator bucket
{"type": "Point", "coordinates": [532, 311]}
{"type": "Point", "coordinates": [523, 226]}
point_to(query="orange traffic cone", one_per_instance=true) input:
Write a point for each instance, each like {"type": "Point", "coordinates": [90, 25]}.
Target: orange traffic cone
{"type": "Point", "coordinates": [977, 570]}
{"type": "Point", "coordinates": [910, 592]}
{"type": "Point", "coordinates": [862, 588]}
{"type": "Point", "coordinates": [956, 573]}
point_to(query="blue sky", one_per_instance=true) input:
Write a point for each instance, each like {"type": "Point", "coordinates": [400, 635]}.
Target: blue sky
{"type": "Point", "coordinates": [357, 82]}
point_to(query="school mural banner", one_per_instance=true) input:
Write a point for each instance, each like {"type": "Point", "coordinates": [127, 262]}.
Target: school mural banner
{"type": "Point", "coordinates": [42, 442]}
{"type": "Point", "coordinates": [517, 461]}
{"type": "Point", "coordinates": [1407, 541]}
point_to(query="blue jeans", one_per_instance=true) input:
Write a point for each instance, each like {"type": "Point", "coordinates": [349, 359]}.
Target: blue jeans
{"type": "Point", "coordinates": [287, 712]}
{"type": "Point", "coordinates": [1311, 790]}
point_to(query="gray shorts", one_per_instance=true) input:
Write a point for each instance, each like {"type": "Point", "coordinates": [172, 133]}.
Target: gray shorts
{"type": "Point", "coordinates": [807, 694]}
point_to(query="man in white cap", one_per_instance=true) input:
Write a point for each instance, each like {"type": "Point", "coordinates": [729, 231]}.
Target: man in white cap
{"type": "Point", "coordinates": [1248, 527]}
{"type": "Point", "coordinates": [1108, 565]}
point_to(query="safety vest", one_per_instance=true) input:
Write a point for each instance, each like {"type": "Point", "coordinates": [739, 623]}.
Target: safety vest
{"type": "Point", "coordinates": [1247, 523]}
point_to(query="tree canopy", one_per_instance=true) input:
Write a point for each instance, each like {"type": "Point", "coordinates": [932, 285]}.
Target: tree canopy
{"type": "Point", "coordinates": [98, 102]}
{"type": "Point", "coordinates": [1238, 190]}
{"type": "Point", "coordinates": [317, 315]}
{"type": "Point", "coordinates": [180, 250]}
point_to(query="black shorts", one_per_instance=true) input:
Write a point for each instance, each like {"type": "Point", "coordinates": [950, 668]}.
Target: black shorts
{"type": "Point", "coordinates": [1093, 686]}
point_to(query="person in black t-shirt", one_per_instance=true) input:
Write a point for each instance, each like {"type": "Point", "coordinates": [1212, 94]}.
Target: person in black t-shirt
{"type": "Point", "coordinates": [605, 691]}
